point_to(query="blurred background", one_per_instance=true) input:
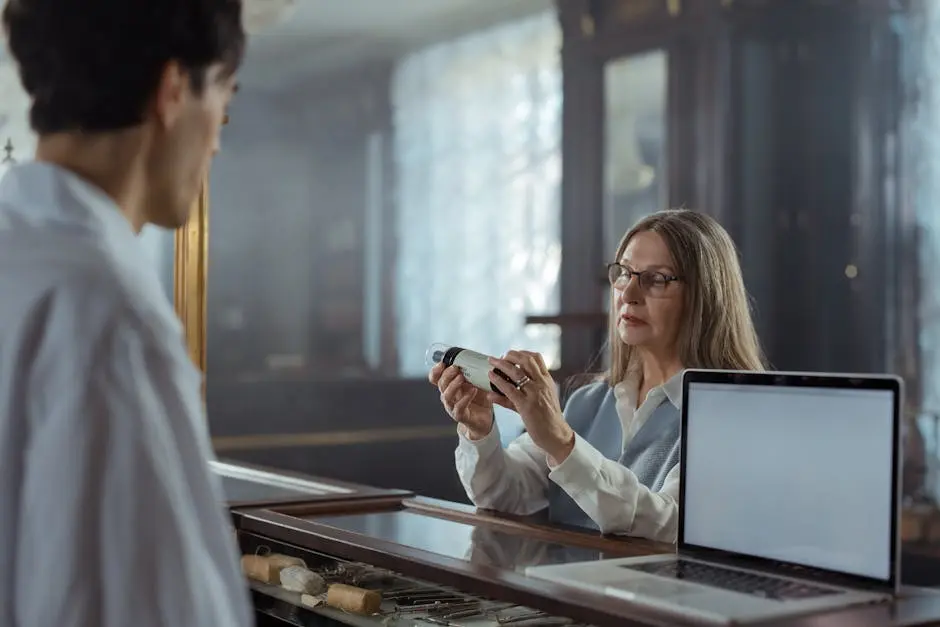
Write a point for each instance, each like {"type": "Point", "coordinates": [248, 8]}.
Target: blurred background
{"type": "Point", "coordinates": [400, 173]}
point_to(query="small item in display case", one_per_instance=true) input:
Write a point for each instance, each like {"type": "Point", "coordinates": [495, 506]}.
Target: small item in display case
{"type": "Point", "coordinates": [353, 599]}
{"type": "Point", "coordinates": [300, 579]}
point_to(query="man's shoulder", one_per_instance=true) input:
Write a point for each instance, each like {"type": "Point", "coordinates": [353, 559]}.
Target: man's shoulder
{"type": "Point", "coordinates": [80, 313]}
{"type": "Point", "coordinates": [77, 307]}
{"type": "Point", "coordinates": [87, 332]}
{"type": "Point", "coordinates": [86, 283]}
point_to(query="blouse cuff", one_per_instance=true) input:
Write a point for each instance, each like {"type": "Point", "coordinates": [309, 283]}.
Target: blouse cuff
{"type": "Point", "coordinates": [485, 445]}
{"type": "Point", "coordinates": [580, 468]}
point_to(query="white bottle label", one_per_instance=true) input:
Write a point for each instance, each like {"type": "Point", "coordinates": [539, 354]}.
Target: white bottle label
{"type": "Point", "coordinates": [475, 368]}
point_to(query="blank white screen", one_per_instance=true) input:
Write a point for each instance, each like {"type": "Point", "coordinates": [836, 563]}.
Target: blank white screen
{"type": "Point", "coordinates": [802, 475]}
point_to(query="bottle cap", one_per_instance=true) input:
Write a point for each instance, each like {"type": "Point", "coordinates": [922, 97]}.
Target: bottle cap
{"type": "Point", "coordinates": [435, 354]}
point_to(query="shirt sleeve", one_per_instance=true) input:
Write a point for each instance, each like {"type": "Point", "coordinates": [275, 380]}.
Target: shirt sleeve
{"type": "Point", "coordinates": [513, 480]}
{"type": "Point", "coordinates": [613, 496]}
{"type": "Point", "coordinates": [121, 521]}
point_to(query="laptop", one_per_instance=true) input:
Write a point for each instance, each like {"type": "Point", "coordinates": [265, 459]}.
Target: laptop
{"type": "Point", "coordinates": [789, 502]}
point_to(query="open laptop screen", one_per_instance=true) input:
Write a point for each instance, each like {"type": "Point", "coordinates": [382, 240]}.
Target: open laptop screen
{"type": "Point", "coordinates": [797, 473]}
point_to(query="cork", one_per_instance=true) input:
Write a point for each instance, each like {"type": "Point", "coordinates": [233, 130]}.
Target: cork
{"type": "Point", "coordinates": [281, 561]}
{"type": "Point", "coordinates": [260, 568]}
{"type": "Point", "coordinates": [353, 599]}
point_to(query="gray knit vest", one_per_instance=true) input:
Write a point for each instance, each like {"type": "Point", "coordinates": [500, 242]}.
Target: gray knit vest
{"type": "Point", "coordinates": [651, 453]}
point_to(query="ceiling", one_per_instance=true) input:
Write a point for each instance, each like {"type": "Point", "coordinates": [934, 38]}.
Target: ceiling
{"type": "Point", "coordinates": [326, 36]}
{"type": "Point", "coordinates": [319, 37]}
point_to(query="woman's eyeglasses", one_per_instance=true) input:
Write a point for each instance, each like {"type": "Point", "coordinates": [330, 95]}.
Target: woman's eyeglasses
{"type": "Point", "coordinates": [650, 281]}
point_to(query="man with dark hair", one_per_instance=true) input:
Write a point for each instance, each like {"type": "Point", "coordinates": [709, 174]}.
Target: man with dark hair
{"type": "Point", "coordinates": [109, 514]}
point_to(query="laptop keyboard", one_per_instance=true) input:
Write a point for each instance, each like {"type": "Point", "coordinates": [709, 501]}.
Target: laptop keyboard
{"type": "Point", "coordinates": [735, 580]}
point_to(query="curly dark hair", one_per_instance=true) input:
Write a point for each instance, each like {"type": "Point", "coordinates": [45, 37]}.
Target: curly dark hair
{"type": "Point", "coordinates": [92, 65]}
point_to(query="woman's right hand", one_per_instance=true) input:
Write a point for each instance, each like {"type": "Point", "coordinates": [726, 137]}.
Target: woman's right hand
{"type": "Point", "coordinates": [466, 404]}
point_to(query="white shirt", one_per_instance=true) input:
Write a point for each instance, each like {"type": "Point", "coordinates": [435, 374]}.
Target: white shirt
{"type": "Point", "coordinates": [109, 514]}
{"type": "Point", "coordinates": [515, 479]}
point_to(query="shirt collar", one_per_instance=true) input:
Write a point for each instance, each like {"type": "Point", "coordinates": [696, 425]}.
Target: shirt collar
{"type": "Point", "coordinates": [629, 389]}
{"type": "Point", "coordinates": [673, 389]}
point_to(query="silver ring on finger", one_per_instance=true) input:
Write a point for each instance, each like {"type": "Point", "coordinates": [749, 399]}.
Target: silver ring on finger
{"type": "Point", "coordinates": [521, 383]}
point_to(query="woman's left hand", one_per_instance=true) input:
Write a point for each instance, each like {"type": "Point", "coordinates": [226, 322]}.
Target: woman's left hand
{"type": "Point", "coordinates": [534, 396]}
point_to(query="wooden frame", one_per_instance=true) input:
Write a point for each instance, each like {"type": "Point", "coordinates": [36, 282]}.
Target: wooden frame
{"type": "Point", "coordinates": [467, 514]}
{"type": "Point", "coordinates": [189, 277]}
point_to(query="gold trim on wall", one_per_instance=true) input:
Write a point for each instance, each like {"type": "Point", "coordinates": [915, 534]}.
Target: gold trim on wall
{"type": "Point", "coordinates": [190, 272]}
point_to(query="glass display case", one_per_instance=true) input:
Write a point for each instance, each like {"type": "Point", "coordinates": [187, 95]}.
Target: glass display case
{"type": "Point", "coordinates": [429, 560]}
{"type": "Point", "coordinates": [246, 485]}
{"type": "Point", "coordinates": [435, 563]}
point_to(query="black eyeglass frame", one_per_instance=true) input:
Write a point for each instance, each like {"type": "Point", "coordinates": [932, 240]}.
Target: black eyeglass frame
{"type": "Point", "coordinates": [647, 278]}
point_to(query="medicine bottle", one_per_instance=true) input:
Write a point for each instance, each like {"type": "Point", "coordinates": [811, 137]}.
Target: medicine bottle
{"type": "Point", "coordinates": [474, 366]}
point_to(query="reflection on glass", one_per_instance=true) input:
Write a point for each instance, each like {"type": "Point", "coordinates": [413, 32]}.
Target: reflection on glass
{"type": "Point", "coordinates": [481, 544]}
{"type": "Point", "coordinates": [236, 489]}
{"type": "Point", "coordinates": [435, 535]}
{"type": "Point", "coordinates": [490, 547]}
{"type": "Point", "coordinates": [635, 140]}
{"type": "Point", "coordinates": [160, 245]}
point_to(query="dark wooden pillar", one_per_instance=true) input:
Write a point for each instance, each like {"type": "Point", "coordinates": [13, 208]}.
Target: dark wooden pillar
{"type": "Point", "coordinates": [813, 101]}
{"type": "Point", "coordinates": [582, 236]}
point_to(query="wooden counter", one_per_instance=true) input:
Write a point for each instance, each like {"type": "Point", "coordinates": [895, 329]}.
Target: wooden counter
{"type": "Point", "coordinates": [484, 553]}
{"type": "Point", "coordinates": [248, 485]}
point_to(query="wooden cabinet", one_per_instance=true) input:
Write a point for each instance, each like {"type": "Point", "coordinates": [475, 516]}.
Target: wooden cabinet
{"type": "Point", "coordinates": [778, 118]}
{"type": "Point", "coordinates": [644, 128]}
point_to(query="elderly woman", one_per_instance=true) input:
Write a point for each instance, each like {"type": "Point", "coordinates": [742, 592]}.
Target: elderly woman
{"type": "Point", "coordinates": [610, 460]}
